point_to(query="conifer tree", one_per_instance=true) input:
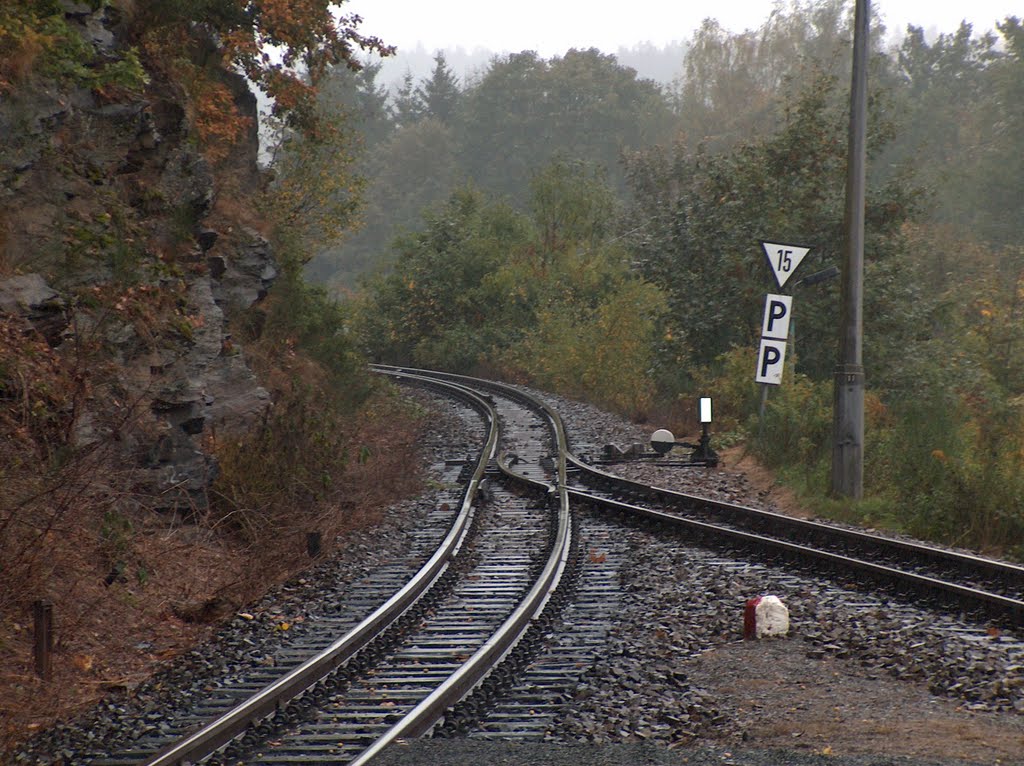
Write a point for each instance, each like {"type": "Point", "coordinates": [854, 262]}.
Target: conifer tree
{"type": "Point", "coordinates": [440, 94]}
{"type": "Point", "coordinates": [408, 108]}
{"type": "Point", "coordinates": [358, 94]}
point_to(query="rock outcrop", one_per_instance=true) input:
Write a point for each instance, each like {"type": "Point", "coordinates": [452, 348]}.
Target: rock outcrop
{"type": "Point", "coordinates": [111, 242]}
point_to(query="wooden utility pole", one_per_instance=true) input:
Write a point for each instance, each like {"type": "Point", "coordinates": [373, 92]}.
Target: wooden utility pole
{"type": "Point", "coordinates": [848, 409]}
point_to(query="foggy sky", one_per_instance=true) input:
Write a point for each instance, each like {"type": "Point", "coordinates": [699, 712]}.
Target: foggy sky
{"type": "Point", "coordinates": [551, 27]}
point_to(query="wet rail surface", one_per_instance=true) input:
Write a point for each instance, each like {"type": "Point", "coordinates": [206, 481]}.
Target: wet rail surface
{"type": "Point", "coordinates": [962, 580]}
{"type": "Point", "coordinates": [959, 580]}
{"type": "Point", "coordinates": [503, 558]}
{"type": "Point", "coordinates": [510, 530]}
{"type": "Point", "coordinates": [425, 646]}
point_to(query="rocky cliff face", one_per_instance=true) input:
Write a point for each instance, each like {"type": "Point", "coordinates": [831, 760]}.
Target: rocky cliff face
{"type": "Point", "coordinates": [117, 247]}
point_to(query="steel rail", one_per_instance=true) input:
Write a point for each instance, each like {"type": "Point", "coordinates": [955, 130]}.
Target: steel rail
{"type": "Point", "coordinates": [991, 567]}
{"type": "Point", "coordinates": [265, 702]}
{"type": "Point", "coordinates": [1010, 606]}
{"type": "Point", "coordinates": [456, 687]}
{"type": "Point", "coordinates": [489, 656]}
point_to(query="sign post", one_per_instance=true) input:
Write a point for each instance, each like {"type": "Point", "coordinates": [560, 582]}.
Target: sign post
{"type": "Point", "coordinates": [771, 357]}
{"type": "Point", "coordinates": [783, 259]}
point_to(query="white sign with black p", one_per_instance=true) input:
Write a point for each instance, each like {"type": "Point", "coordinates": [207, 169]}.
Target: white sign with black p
{"type": "Point", "coordinates": [777, 310]}
{"type": "Point", "coordinates": [770, 360]}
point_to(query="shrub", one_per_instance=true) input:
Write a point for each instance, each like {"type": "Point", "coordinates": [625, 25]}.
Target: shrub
{"type": "Point", "coordinates": [36, 37]}
{"type": "Point", "coordinates": [730, 382]}
{"type": "Point", "coordinates": [955, 474]}
{"type": "Point", "coordinates": [603, 355]}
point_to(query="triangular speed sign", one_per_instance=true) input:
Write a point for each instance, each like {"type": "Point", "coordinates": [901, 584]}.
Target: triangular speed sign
{"type": "Point", "coordinates": [783, 259]}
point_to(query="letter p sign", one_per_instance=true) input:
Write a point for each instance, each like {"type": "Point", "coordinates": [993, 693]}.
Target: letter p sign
{"type": "Point", "coordinates": [776, 316]}
{"type": "Point", "coordinates": [770, 361]}
{"type": "Point", "coordinates": [774, 332]}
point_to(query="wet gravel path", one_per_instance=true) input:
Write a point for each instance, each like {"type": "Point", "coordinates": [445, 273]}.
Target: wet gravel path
{"type": "Point", "coordinates": [862, 679]}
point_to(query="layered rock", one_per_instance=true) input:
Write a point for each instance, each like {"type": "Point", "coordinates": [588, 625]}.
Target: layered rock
{"type": "Point", "coordinates": [109, 240]}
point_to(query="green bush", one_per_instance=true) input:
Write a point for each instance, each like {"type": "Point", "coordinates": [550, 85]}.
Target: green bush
{"type": "Point", "coordinates": [603, 355]}
{"type": "Point", "coordinates": [730, 382]}
{"type": "Point", "coordinates": [797, 424]}
{"type": "Point", "coordinates": [955, 474]}
{"type": "Point", "coordinates": [35, 36]}
{"type": "Point", "coordinates": [289, 469]}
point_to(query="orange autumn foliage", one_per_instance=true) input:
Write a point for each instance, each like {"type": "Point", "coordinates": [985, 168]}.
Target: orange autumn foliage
{"type": "Point", "coordinates": [283, 46]}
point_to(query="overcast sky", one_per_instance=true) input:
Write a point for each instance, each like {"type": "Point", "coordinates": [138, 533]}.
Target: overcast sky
{"type": "Point", "coordinates": [551, 27]}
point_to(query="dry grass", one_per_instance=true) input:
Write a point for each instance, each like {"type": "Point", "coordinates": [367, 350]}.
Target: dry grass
{"type": "Point", "coordinates": [53, 548]}
{"type": "Point", "coordinates": [58, 539]}
{"type": "Point", "coordinates": [109, 636]}
{"type": "Point", "coordinates": [176, 581]}
{"type": "Point", "coordinates": [271, 506]}
{"type": "Point", "coordinates": [20, 48]}
{"type": "Point", "coordinates": [132, 588]}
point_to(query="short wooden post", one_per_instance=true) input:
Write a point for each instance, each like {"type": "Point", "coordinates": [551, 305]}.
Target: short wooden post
{"type": "Point", "coordinates": [314, 544]}
{"type": "Point", "coordinates": [42, 617]}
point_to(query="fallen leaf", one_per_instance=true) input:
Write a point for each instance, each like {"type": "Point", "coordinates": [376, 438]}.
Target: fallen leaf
{"type": "Point", "coordinates": [83, 662]}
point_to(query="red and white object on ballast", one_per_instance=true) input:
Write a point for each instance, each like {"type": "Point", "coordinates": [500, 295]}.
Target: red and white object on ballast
{"type": "Point", "coordinates": [765, 617]}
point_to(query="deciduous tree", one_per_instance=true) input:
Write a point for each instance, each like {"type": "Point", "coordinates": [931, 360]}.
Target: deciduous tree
{"type": "Point", "coordinates": [700, 214]}
{"type": "Point", "coordinates": [283, 46]}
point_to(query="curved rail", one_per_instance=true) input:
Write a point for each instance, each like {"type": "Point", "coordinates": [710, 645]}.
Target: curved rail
{"type": "Point", "coordinates": [999, 569]}
{"type": "Point", "coordinates": [432, 709]}
{"type": "Point", "coordinates": [429, 711]}
{"type": "Point", "coordinates": [225, 728]}
{"type": "Point", "coordinates": [1012, 607]}
{"type": "Point", "coordinates": [996, 603]}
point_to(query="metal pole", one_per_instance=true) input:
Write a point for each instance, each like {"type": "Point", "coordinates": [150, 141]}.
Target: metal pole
{"type": "Point", "coordinates": [848, 411]}
{"type": "Point", "coordinates": [314, 544]}
{"type": "Point", "coordinates": [764, 404]}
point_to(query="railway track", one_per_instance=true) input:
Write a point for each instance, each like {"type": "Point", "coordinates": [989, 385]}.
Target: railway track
{"type": "Point", "coordinates": [433, 641]}
{"type": "Point", "coordinates": [457, 649]}
{"type": "Point", "coordinates": [962, 581]}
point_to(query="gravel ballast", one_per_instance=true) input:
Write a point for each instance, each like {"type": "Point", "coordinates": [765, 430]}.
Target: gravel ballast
{"type": "Point", "coordinates": [862, 678]}
{"type": "Point", "coordinates": [860, 673]}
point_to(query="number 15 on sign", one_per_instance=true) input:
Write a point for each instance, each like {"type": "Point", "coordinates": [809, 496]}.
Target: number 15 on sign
{"type": "Point", "coordinates": [784, 259]}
